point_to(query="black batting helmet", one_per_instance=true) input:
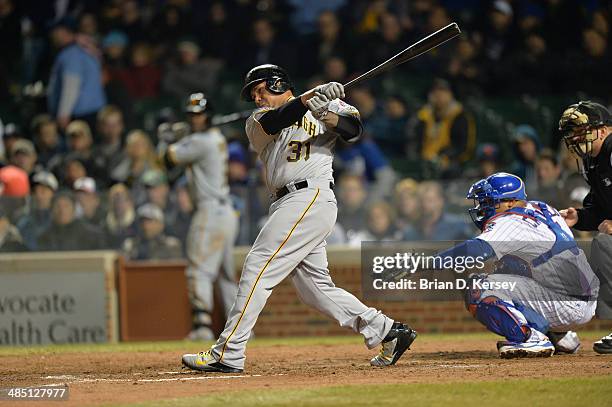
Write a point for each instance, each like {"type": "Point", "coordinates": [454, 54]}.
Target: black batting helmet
{"type": "Point", "coordinates": [276, 78]}
{"type": "Point", "coordinates": [197, 103]}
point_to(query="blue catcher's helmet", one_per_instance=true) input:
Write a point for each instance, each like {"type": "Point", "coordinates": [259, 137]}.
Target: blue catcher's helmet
{"type": "Point", "coordinates": [489, 192]}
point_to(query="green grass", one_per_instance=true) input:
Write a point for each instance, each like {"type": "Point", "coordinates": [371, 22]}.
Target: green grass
{"type": "Point", "coordinates": [257, 342]}
{"type": "Point", "coordinates": [558, 392]}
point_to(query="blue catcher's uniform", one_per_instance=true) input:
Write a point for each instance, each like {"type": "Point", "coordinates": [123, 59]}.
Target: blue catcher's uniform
{"type": "Point", "coordinates": [555, 288]}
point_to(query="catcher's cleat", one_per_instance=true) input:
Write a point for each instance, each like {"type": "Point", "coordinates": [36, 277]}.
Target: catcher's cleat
{"type": "Point", "coordinates": [604, 345]}
{"type": "Point", "coordinates": [206, 362]}
{"type": "Point", "coordinates": [564, 342]}
{"type": "Point", "coordinates": [537, 346]}
{"type": "Point", "coordinates": [397, 341]}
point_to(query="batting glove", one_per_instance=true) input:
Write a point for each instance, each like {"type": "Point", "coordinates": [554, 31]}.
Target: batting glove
{"type": "Point", "coordinates": [165, 133]}
{"type": "Point", "coordinates": [331, 90]}
{"type": "Point", "coordinates": [318, 105]}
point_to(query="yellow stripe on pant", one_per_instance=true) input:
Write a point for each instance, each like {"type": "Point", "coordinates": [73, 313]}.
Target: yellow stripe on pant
{"type": "Point", "coordinates": [264, 269]}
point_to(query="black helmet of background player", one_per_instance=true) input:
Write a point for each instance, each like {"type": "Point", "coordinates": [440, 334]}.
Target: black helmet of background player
{"type": "Point", "coordinates": [197, 110]}
{"type": "Point", "coordinates": [579, 124]}
{"type": "Point", "coordinates": [276, 79]}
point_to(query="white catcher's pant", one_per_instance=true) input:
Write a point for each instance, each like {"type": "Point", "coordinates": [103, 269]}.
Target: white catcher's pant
{"type": "Point", "coordinates": [561, 311]}
{"type": "Point", "coordinates": [210, 244]}
{"type": "Point", "coordinates": [292, 243]}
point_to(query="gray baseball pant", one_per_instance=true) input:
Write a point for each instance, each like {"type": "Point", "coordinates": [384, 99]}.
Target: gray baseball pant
{"type": "Point", "coordinates": [210, 244]}
{"type": "Point", "coordinates": [292, 243]}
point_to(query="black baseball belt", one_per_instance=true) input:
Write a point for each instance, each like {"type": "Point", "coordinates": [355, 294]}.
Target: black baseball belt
{"type": "Point", "coordinates": [295, 187]}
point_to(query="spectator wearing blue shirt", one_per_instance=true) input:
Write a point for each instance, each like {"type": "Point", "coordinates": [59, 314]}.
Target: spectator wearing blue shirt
{"type": "Point", "coordinates": [367, 160]}
{"type": "Point", "coordinates": [75, 84]}
{"type": "Point", "coordinates": [526, 147]}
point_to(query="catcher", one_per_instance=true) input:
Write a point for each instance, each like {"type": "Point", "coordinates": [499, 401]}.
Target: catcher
{"type": "Point", "coordinates": [554, 290]}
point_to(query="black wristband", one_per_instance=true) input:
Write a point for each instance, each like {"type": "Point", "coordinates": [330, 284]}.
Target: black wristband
{"type": "Point", "coordinates": [349, 128]}
{"type": "Point", "coordinates": [275, 120]}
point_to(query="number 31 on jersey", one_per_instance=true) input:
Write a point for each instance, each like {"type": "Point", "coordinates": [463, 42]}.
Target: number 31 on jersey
{"type": "Point", "coordinates": [297, 148]}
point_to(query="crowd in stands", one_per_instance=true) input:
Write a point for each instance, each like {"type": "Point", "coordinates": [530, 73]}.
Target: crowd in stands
{"type": "Point", "coordinates": [78, 165]}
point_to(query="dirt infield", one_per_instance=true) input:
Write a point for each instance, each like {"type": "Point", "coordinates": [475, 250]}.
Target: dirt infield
{"type": "Point", "coordinates": [125, 377]}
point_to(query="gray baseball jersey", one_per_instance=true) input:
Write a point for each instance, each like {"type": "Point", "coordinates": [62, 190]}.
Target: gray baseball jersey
{"type": "Point", "coordinates": [302, 151]}
{"type": "Point", "coordinates": [206, 157]}
{"type": "Point", "coordinates": [292, 241]}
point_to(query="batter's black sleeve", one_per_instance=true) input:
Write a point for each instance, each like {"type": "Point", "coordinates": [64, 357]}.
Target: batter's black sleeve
{"type": "Point", "coordinates": [349, 129]}
{"type": "Point", "coordinates": [275, 120]}
{"type": "Point", "coordinates": [590, 216]}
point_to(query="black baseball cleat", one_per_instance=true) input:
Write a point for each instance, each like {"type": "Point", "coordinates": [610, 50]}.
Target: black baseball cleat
{"type": "Point", "coordinates": [206, 362]}
{"type": "Point", "coordinates": [397, 341]}
{"type": "Point", "coordinates": [604, 345]}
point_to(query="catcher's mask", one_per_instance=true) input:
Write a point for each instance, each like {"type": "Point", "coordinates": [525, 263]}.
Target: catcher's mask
{"type": "Point", "coordinates": [276, 79]}
{"type": "Point", "coordinates": [578, 125]}
{"type": "Point", "coordinates": [488, 193]}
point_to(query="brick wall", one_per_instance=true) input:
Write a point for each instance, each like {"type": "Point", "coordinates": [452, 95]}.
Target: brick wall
{"type": "Point", "coordinates": [285, 315]}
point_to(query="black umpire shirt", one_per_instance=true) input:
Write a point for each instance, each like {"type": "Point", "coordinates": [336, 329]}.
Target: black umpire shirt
{"type": "Point", "coordinates": [597, 205]}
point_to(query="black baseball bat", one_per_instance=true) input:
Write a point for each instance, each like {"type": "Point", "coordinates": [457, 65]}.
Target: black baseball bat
{"type": "Point", "coordinates": [418, 48]}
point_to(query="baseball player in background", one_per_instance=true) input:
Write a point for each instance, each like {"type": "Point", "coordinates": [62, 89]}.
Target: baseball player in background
{"type": "Point", "coordinates": [531, 246]}
{"type": "Point", "coordinates": [212, 233]}
{"type": "Point", "coordinates": [295, 137]}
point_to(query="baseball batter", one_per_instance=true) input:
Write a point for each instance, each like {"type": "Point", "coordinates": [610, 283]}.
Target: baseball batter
{"type": "Point", "coordinates": [212, 233]}
{"type": "Point", "coordinates": [295, 137]}
{"type": "Point", "coordinates": [555, 288]}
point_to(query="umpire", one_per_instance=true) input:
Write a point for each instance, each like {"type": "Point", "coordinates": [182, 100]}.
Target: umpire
{"type": "Point", "coordinates": [586, 127]}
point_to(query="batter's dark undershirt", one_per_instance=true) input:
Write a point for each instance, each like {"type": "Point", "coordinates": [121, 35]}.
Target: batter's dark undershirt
{"type": "Point", "coordinates": [273, 121]}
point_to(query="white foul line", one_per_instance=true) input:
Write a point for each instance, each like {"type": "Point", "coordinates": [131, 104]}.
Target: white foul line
{"type": "Point", "coordinates": [174, 379]}
{"type": "Point", "coordinates": [183, 372]}
{"type": "Point", "coordinates": [75, 379]}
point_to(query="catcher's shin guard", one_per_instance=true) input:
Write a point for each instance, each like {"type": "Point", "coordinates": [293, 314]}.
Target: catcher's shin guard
{"type": "Point", "coordinates": [502, 318]}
